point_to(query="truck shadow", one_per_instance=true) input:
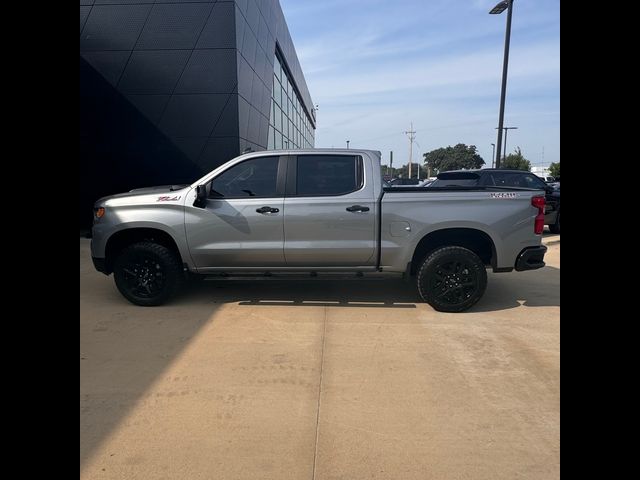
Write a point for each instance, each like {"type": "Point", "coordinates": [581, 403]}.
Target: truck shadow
{"type": "Point", "coordinates": [536, 288]}
{"type": "Point", "coordinates": [330, 292]}
{"type": "Point", "coordinates": [504, 291]}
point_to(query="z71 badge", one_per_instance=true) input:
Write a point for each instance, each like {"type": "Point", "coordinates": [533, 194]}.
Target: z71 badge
{"type": "Point", "coordinates": [168, 199]}
{"type": "Point", "coordinates": [503, 195]}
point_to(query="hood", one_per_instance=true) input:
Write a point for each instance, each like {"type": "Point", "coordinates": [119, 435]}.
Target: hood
{"type": "Point", "coordinates": [170, 190]}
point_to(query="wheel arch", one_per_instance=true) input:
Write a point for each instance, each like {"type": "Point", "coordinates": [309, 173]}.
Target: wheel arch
{"type": "Point", "coordinates": [473, 239]}
{"type": "Point", "coordinates": [128, 236]}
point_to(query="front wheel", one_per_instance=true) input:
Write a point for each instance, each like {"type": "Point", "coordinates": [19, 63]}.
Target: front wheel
{"type": "Point", "coordinates": [147, 273]}
{"type": "Point", "coordinates": [452, 279]}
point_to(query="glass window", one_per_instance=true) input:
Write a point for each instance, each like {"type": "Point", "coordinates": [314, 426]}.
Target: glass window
{"type": "Point", "coordinates": [277, 68]}
{"type": "Point", "coordinates": [278, 141]}
{"type": "Point", "coordinates": [251, 178]}
{"type": "Point", "coordinates": [287, 114]}
{"type": "Point", "coordinates": [278, 119]}
{"type": "Point", "coordinates": [514, 179]}
{"type": "Point", "coordinates": [271, 141]}
{"type": "Point", "coordinates": [328, 174]}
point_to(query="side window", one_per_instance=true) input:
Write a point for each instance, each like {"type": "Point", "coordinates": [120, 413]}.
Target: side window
{"type": "Point", "coordinates": [328, 174]}
{"type": "Point", "coordinates": [523, 180]}
{"type": "Point", "coordinates": [534, 182]}
{"type": "Point", "coordinates": [251, 178]}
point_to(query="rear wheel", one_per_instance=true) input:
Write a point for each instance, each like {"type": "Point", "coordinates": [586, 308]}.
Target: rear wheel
{"type": "Point", "coordinates": [147, 273]}
{"type": "Point", "coordinates": [555, 228]}
{"type": "Point", "coordinates": [452, 279]}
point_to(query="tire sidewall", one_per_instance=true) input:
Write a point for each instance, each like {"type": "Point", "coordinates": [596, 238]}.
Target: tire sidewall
{"type": "Point", "coordinates": [434, 260]}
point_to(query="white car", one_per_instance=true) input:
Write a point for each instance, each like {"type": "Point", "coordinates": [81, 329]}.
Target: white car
{"type": "Point", "coordinates": [547, 178]}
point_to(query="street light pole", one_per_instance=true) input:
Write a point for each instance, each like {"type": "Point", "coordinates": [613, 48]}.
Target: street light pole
{"type": "Point", "coordinates": [493, 155]}
{"type": "Point", "coordinates": [506, 130]}
{"type": "Point", "coordinates": [347, 144]}
{"type": "Point", "coordinates": [499, 8]}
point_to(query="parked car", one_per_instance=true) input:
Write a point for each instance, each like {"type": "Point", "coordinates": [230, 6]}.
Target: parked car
{"type": "Point", "coordinates": [315, 211]}
{"type": "Point", "coordinates": [506, 178]}
{"type": "Point", "coordinates": [547, 178]}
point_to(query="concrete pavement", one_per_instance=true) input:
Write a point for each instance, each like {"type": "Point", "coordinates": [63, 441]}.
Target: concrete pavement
{"type": "Point", "coordinates": [320, 379]}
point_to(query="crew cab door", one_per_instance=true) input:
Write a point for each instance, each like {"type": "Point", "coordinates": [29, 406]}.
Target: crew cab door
{"type": "Point", "coordinates": [330, 211]}
{"type": "Point", "coordinates": [242, 222]}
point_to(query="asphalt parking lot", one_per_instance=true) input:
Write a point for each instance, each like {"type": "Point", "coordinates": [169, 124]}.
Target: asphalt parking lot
{"type": "Point", "coordinates": [321, 379]}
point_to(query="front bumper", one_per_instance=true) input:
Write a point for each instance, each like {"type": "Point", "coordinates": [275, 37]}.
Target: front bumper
{"type": "Point", "coordinates": [531, 258]}
{"type": "Point", "coordinates": [100, 264]}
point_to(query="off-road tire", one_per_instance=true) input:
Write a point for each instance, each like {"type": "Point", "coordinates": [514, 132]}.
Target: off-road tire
{"type": "Point", "coordinates": [451, 279]}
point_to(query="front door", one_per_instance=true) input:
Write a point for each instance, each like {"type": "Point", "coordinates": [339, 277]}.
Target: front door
{"type": "Point", "coordinates": [242, 222]}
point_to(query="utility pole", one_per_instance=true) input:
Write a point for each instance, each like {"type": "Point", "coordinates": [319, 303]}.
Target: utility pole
{"type": "Point", "coordinates": [347, 144]}
{"type": "Point", "coordinates": [412, 136]}
{"type": "Point", "coordinates": [391, 163]}
{"type": "Point", "coordinates": [506, 130]}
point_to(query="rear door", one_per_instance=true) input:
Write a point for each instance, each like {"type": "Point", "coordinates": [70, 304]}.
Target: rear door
{"type": "Point", "coordinates": [330, 211]}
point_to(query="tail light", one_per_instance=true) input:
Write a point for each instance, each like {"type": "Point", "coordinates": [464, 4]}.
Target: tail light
{"type": "Point", "coordinates": [538, 224]}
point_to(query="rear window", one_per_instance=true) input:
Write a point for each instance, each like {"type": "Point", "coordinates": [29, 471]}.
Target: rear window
{"type": "Point", "coordinates": [512, 179]}
{"type": "Point", "coordinates": [328, 174]}
{"type": "Point", "coordinates": [456, 179]}
{"type": "Point", "coordinates": [488, 179]}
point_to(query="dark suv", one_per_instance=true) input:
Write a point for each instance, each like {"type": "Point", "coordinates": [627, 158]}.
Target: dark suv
{"type": "Point", "coordinates": [505, 178]}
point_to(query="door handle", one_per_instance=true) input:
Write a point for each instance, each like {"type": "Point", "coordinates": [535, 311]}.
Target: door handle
{"type": "Point", "coordinates": [264, 210]}
{"type": "Point", "coordinates": [357, 208]}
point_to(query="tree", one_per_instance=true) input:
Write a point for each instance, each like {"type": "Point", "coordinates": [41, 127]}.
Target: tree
{"type": "Point", "coordinates": [516, 161]}
{"type": "Point", "coordinates": [453, 158]}
{"type": "Point", "coordinates": [554, 168]}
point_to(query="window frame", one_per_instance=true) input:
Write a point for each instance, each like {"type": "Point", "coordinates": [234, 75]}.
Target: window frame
{"type": "Point", "coordinates": [281, 175]}
{"type": "Point", "coordinates": [291, 188]}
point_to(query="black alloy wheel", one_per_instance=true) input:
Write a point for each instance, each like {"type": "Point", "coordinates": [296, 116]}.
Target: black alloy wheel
{"type": "Point", "coordinates": [452, 279]}
{"type": "Point", "coordinates": [147, 273]}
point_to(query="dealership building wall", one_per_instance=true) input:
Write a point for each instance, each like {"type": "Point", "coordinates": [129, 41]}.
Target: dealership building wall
{"type": "Point", "coordinates": [171, 89]}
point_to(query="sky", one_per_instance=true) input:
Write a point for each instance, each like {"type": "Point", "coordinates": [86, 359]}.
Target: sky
{"type": "Point", "coordinates": [374, 66]}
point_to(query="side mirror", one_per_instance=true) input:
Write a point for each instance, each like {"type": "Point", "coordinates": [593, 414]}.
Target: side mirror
{"type": "Point", "coordinates": [201, 196]}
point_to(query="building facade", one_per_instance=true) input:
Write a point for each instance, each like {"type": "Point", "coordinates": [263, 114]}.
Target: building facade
{"type": "Point", "coordinates": [171, 89]}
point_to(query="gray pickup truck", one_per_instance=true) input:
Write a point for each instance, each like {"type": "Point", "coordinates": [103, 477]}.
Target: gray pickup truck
{"type": "Point", "coordinates": [311, 212]}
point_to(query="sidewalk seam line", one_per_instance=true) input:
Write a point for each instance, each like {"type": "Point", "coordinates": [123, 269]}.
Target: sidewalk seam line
{"type": "Point", "coordinates": [315, 453]}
